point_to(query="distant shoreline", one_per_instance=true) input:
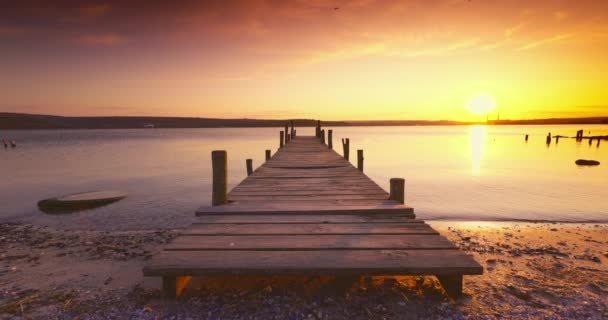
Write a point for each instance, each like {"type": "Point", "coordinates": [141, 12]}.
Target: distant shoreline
{"type": "Point", "coordinates": [22, 121]}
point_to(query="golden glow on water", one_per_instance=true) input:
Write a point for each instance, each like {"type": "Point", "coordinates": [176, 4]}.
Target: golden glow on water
{"type": "Point", "coordinates": [477, 138]}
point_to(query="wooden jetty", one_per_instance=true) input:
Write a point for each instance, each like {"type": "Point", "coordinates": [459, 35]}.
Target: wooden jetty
{"type": "Point", "coordinates": [308, 211]}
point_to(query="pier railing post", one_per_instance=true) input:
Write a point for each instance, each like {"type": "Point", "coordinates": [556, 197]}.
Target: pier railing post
{"type": "Point", "coordinates": [267, 155]}
{"type": "Point", "coordinates": [293, 131]}
{"type": "Point", "coordinates": [330, 142]}
{"type": "Point", "coordinates": [360, 160]}
{"type": "Point", "coordinates": [323, 136]}
{"type": "Point", "coordinates": [249, 163]}
{"type": "Point", "coordinates": [346, 147]}
{"type": "Point", "coordinates": [219, 162]}
{"type": "Point", "coordinates": [281, 140]}
{"type": "Point", "coordinates": [397, 191]}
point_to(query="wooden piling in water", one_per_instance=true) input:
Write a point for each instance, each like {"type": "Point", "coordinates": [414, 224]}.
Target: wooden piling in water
{"type": "Point", "coordinates": [219, 163]}
{"type": "Point", "coordinates": [323, 136]}
{"type": "Point", "coordinates": [360, 160]}
{"type": "Point", "coordinates": [293, 130]}
{"type": "Point", "coordinates": [598, 142]}
{"type": "Point", "coordinates": [281, 140]}
{"type": "Point", "coordinates": [397, 191]}
{"type": "Point", "coordinates": [549, 138]}
{"type": "Point", "coordinates": [346, 147]}
{"type": "Point", "coordinates": [590, 141]}
{"type": "Point", "coordinates": [249, 163]}
{"type": "Point", "coordinates": [267, 154]}
{"type": "Point", "coordinates": [330, 142]}
{"type": "Point", "coordinates": [527, 136]}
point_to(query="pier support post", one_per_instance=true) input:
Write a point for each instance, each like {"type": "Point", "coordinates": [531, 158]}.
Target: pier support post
{"type": "Point", "coordinates": [318, 131]}
{"type": "Point", "coordinates": [249, 163]}
{"type": "Point", "coordinates": [451, 284]}
{"type": "Point", "coordinates": [293, 130]}
{"type": "Point", "coordinates": [360, 160]}
{"type": "Point", "coordinates": [397, 191]}
{"type": "Point", "coordinates": [173, 286]}
{"type": "Point", "coordinates": [323, 136]}
{"type": "Point", "coordinates": [294, 133]}
{"type": "Point", "coordinates": [346, 147]}
{"type": "Point", "coordinates": [281, 140]}
{"type": "Point", "coordinates": [219, 162]}
{"type": "Point", "coordinates": [267, 155]}
{"type": "Point", "coordinates": [286, 133]}
{"type": "Point", "coordinates": [330, 142]}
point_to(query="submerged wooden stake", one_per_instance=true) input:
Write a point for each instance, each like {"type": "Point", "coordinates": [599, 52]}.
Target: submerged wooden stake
{"type": "Point", "coordinates": [267, 155]}
{"type": "Point", "coordinates": [346, 147]}
{"type": "Point", "coordinates": [330, 141]}
{"type": "Point", "coordinates": [249, 163]}
{"type": "Point", "coordinates": [397, 191]}
{"type": "Point", "coordinates": [219, 162]}
{"type": "Point", "coordinates": [281, 140]}
{"type": "Point", "coordinates": [360, 160]}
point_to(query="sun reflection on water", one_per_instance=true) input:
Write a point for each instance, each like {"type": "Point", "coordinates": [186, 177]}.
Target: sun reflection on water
{"type": "Point", "coordinates": [477, 138]}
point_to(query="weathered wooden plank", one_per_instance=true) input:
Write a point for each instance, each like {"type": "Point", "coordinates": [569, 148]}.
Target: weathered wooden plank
{"type": "Point", "coordinates": [309, 229]}
{"type": "Point", "coordinates": [321, 262]}
{"type": "Point", "coordinates": [306, 242]}
{"type": "Point", "coordinates": [309, 197]}
{"type": "Point", "coordinates": [309, 193]}
{"type": "Point", "coordinates": [309, 218]}
{"type": "Point", "coordinates": [323, 207]}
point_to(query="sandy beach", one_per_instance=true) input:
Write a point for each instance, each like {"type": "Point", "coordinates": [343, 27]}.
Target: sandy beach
{"type": "Point", "coordinates": [532, 271]}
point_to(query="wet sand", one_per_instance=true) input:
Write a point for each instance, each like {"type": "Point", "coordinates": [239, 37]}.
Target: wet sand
{"type": "Point", "coordinates": [532, 271]}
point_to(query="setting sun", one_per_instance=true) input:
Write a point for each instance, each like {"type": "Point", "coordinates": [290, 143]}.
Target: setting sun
{"type": "Point", "coordinates": [481, 104]}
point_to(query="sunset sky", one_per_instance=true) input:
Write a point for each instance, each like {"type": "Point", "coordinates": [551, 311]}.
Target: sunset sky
{"type": "Point", "coordinates": [348, 60]}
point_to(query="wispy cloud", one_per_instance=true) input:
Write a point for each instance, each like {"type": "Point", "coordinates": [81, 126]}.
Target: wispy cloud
{"type": "Point", "coordinates": [554, 39]}
{"type": "Point", "coordinates": [12, 31]}
{"type": "Point", "coordinates": [87, 13]}
{"type": "Point", "coordinates": [103, 40]}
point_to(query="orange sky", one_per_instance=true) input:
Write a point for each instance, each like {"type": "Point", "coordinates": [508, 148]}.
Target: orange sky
{"type": "Point", "coordinates": [365, 59]}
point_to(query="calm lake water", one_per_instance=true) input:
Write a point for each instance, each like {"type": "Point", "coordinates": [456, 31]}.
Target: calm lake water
{"type": "Point", "coordinates": [452, 173]}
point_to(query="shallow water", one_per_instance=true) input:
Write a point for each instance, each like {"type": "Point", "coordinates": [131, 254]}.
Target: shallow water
{"type": "Point", "coordinates": [456, 173]}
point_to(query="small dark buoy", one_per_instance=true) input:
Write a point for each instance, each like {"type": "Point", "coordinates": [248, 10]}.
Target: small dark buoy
{"type": "Point", "coordinates": [583, 162]}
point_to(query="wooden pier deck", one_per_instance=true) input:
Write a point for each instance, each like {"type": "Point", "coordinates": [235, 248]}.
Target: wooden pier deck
{"type": "Point", "coordinates": [308, 211]}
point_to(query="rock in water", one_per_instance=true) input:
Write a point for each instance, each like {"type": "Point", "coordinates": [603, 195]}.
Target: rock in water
{"type": "Point", "coordinates": [80, 201]}
{"type": "Point", "coordinates": [583, 162]}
